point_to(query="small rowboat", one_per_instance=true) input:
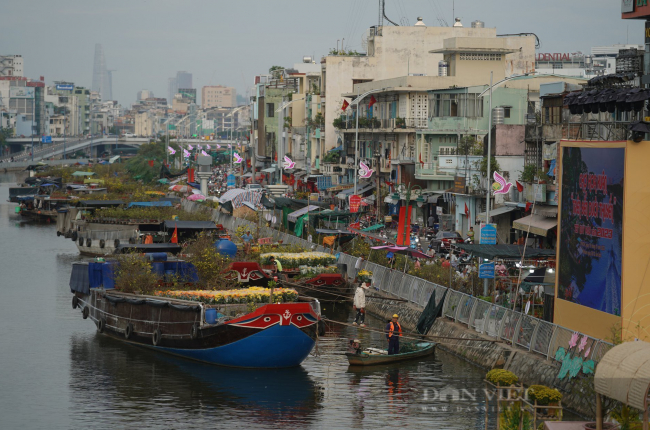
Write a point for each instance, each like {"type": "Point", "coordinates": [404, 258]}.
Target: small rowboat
{"type": "Point", "coordinates": [374, 356]}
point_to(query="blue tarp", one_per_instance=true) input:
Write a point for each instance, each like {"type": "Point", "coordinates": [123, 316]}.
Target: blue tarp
{"type": "Point", "coordinates": [338, 148]}
{"type": "Point", "coordinates": [98, 275]}
{"type": "Point", "coordinates": [149, 204]}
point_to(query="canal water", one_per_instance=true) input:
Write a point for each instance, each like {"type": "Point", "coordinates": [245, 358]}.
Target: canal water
{"type": "Point", "coordinates": [57, 372]}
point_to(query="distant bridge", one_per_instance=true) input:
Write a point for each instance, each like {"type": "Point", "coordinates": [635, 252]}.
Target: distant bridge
{"type": "Point", "coordinates": [72, 145]}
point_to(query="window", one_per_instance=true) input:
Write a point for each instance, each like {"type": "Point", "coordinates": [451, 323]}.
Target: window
{"type": "Point", "coordinates": [473, 56]}
{"type": "Point", "coordinates": [506, 111]}
{"type": "Point", "coordinates": [455, 105]}
{"type": "Point", "coordinates": [270, 110]}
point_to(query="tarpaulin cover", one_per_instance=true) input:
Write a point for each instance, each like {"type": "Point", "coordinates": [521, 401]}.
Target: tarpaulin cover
{"type": "Point", "coordinates": [374, 227]}
{"type": "Point", "coordinates": [430, 313]}
{"type": "Point", "coordinates": [328, 231]}
{"type": "Point", "coordinates": [190, 225]}
{"type": "Point", "coordinates": [83, 173]}
{"type": "Point", "coordinates": [505, 251]}
{"type": "Point", "coordinates": [293, 216]}
{"type": "Point", "coordinates": [79, 278]}
{"type": "Point", "coordinates": [99, 203]}
{"type": "Point", "coordinates": [149, 204]}
{"type": "Point", "coordinates": [95, 275]}
{"type": "Point", "coordinates": [238, 196]}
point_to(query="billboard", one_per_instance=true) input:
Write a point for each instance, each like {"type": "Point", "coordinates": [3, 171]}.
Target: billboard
{"type": "Point", "coordinates": [591, 235]}
{"type": "Point", "coordinates": [21, 92]}
{"type": "Point", "coordinates": [65, 87]}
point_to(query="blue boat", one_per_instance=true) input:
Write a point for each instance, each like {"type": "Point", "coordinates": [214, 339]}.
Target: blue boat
{"type": "Point", "coordinates": [272, 336]}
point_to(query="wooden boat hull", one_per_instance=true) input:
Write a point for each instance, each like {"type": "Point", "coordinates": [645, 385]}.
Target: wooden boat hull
{"type": "Point", "coordinates": [273, 336]}
{"type": "Point", "coordinates": [372, 360]}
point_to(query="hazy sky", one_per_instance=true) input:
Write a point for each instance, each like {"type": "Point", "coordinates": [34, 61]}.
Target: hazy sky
{"type": "Point", "coordinates": [229, 42]}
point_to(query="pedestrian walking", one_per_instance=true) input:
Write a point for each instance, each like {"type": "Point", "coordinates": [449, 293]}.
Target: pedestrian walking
{"type": "Point", "coordinates": [358, 264]}
{"type": "Point", "coordinates": [393, 333]}
{"type": "Point", "coordinates": [247, 238]}
{"type": "Point", "coordinates": [359, 304]}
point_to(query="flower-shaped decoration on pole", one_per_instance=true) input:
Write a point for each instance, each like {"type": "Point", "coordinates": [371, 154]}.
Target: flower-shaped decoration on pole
{"type": "Point", "coordinates": [186, 153]}
{"type": "Point", "coordinates": [172, 151]}
{"type": "Point", "coordinates": [500, 186]}
{"type": "Point", "coordinates": [364, 171]}
{"type": "Point", "coordinates": [583, 343]}
{"type": "Point", "coordinates": [238, 159]}
{"type": "Point", "coordinates": [190, 147]}
{"type": "Point", "coordinates": [218, 146]}
{"type": "Point", "coordinates": [204, 153]}
{"type": "Point", "coordinates": [207, 147]}
{"type": "Point", "coordinates": [574, 340]}
{"type": "Point", "coordinates": [288, 163]}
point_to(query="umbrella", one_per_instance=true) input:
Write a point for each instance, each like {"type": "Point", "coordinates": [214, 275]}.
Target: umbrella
{"type": "Point", "coordinates": [194, 197]}
{"type": "Point", "coordinates": [195, 191]}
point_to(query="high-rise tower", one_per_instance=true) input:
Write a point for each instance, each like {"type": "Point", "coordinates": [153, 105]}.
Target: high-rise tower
{"type": "Point", "coordinates": [101, 76]}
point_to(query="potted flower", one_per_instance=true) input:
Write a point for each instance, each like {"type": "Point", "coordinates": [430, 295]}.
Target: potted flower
{"type": "Point", "coordinates": [364, 276]}
{"type": "Point", "coordinates": [400, 122]}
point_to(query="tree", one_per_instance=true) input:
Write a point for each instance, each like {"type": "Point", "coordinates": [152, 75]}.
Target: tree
{"type": "Point", "coordinates": [276, 71]}
{"type": "Point", "coordinates": [5, 133]}
{"type": "Point", "coordinates": [469, 145]}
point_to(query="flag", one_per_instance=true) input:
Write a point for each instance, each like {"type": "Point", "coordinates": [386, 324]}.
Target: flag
{"type": "Point", "coordinates": [151, 163]}
{"type": "Point", "coordinates": [345, 105]}
{"type": "Point", "coordinates": [466, 211]}
{"type": "Point", "coordinates": [421, 162]}
{"type": "Point", "coordinates": [528, 204]}
{"type": "Point", "coordinates": [520, 187]}
{"type": "Point", "coordinates": [373, 100]}
{"type": "Point", "coordinates": [175, 234]}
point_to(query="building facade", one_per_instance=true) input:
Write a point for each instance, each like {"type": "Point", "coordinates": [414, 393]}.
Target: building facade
{"type": "Point", "coordinates": [11, 65]}
{"type": "Point", "coordinates": [218, 96]}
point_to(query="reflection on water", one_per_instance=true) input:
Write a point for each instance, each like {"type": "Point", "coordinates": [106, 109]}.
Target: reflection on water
{"type": "Point", "coordinates": [57, 372]}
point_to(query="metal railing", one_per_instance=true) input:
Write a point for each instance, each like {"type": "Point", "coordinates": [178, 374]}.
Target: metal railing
{"type": "Point", "coordinates": [522, 331]}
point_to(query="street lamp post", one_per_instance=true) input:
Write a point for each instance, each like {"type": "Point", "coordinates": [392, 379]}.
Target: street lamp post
{"type": "Point", "coordinates": [232, 124]}
{"type": "Point", "coordinates": [356, 133]}
{"type": "Point", "coordinates": [280, 137]}
{"type": "Point", "coordinates": [489, 153]}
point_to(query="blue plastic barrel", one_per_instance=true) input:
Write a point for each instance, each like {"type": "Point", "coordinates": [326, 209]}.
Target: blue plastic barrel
{"type": "Point", "coordinates": [210, 316]}
{"type": "Point", "coordinates": [156, 256]}
{"type": "Point", "coordinates": [158, 268]}
{"type": "Point", "coordinates": [226, 247]}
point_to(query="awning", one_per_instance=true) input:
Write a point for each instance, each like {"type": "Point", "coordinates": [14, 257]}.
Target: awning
{"type": "Point", "coordinates": [329, 231]}
{"type": "Point", "coordinates": [346, 193]}
{"type": "Point", "coordinates": [114, 159]}
{"type": "Point", "coordinates": [300, 174]}
{"type": "Point", "coordinates": [269, 170]}
{"type": "Point", "coordinates": [293, 216]}
{"type": "Point", "coordinates": [247, 175]}
{"type": "Point", "coordinates": [374, 227]}
{"type": "Point", "coordinates": [505, 251]}
{"type": "Point", "coordinates": [99, 203]}
{"type": "Point", "coordinates": [538, 224]}
{"type": "Point", "coordinates": [496, 212]}
{"type": "Point", "coordinates": [338, 148]}
{"type": "Point", "coordinates": [623, 374]}
{"type": "Point", "coordinates": [340, 187]}
{"type": "Point", "coordinates": [546, 211]}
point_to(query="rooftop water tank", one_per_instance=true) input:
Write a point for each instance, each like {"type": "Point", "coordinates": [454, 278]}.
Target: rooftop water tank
{"type": "Point", "coordinates": [420, 23]}
{"type": "Point", "coordinates": [458, 23]}
{"type": "Point", "coordinates": [498, 115]}
{"type": "Point", "coordinates": [443, 68]}
{"type": "Point", "coordinates": [478, 24]}
{"type": "Point", "coordinates": [306, 59]}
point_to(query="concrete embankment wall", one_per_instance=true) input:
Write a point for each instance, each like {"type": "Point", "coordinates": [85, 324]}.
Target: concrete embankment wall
{"type": "Point", "coordinates": [529, 367]}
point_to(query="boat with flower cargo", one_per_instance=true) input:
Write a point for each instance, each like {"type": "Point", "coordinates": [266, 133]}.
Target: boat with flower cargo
{"type": "Point", "coordinates": [238, 327]}
{"type": "Point", "coordinates": [312, 273]}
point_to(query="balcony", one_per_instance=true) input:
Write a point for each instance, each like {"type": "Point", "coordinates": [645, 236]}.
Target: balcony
{"type": "Point", "coordinates": [382, 125]}
{"type": "Point", "coordinates": [431, 171]}
{"type": "Point", "coordinates": [331, 169]}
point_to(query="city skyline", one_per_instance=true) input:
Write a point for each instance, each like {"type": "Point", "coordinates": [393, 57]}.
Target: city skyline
{"type": "Point", "coordinates": [147, 59]}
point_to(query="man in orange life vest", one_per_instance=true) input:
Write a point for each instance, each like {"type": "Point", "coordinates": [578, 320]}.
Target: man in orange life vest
{"type": "Point", "coordinates": [393, 333]}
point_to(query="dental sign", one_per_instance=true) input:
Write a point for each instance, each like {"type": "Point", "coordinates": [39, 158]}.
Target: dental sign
{"type": "Point", "coordinates": [576, 56]}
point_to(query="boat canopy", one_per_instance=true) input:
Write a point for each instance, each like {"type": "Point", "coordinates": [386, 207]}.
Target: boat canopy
{"type": "Point", "coordinates": [190, 225]}
{"type": "Point", "coordinates": [173, 248]}
{"type": "Point", "coordinates": [99, 203]}
{"type": "Point", "coordinates": [158, 203]}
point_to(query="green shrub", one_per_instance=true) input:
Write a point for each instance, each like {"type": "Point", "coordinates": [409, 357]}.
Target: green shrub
{"type": "Point", "coordinates": [501, 377]}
